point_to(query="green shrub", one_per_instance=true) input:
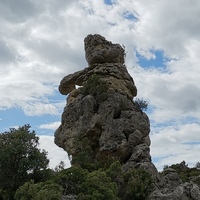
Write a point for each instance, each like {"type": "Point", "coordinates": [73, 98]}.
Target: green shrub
{"type": "Point", "coordinates": [141, 104]}
{"type": "Point", "coordinates": [98, 186]}
{"type": "Point", "coordinates": [95, 86]}
{"type": "Point", "coordinates": [85, 154]}
{"type": "Point", "coordinates": [40, 191]}
{"type": "Point", "coordinates": [134, 184]}
{"type": "Point", "coordinates": [138, 184]}
{"type": "Point", "coordinates": [89, 157]}
{"type": "Point", "coordinates": [71, 179]}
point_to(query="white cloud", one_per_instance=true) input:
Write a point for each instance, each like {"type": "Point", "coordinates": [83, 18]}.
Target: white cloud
{"type": "Point", "coordinates": [55, 154]}
{"type": "Point", "coordinates": [51, 126]}
{"type": "Point", "coordinates": [168, 32]}
{"type": "Point", "coordinates": [174, 95]}
{"type": "Point", "coordinates": [173, 144]}
{"type": "Point", "coordinates": [39, 109]}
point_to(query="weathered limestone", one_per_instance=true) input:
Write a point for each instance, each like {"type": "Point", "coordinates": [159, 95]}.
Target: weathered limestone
{"type": "Point", "coordinates": [99, 50]}
{"type": "Point", "coordinates": [171, 186]}
{"type": "Point", "coordinates": [115, 125]}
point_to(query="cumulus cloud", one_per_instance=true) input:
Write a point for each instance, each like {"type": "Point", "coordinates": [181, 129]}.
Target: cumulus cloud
{"type": "Point", "coordinates": [39, 109]}
{"type": "Point", "coordinates": [175, 144]}
{"type": "Point", "coordinates": [55, 154]}
{"type": "Point", "coordinates": [169, 32]}
{"type": "Point", "coordinates": [51, 126]}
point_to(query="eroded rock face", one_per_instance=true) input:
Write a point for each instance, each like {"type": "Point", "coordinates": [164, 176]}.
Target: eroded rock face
{"type": "Point", "coordinates": [172, 188]}
{"type": "Point", "coordinates": [103, 111]}
{"type": "Point", "coordinates": [118, 127]}
{"type": "Point", "coordinates": [114, 125]}
{"type": "Point", "coordinates": [99, 50]}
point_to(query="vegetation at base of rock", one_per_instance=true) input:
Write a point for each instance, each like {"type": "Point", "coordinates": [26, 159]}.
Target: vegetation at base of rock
{"type": "Point", "coordinates": [98, 186]}
{"type": "Point", "coordinates": [141, 104]}
{"type": "Point", "coordinates": [71, 179]}
{"type": "Point", "coordinates": [138, 182]}
{"type": "Point", "coordinates": [84, 157]}
{"type": "Point", "coordinates": [95, 86]}
{"type": "Point", "coordinates": [105, 178]}
{"type": "Point", "coordinates": [102, 177]}
{"type": "Point", "coordinates": [40, 191]}
{"type": "Point", "coordinates": [105, 184]}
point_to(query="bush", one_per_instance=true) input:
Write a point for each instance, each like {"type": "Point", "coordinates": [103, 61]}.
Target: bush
{"type": "Point", "coordinates": [85, 155]}
{"type": "Point", "coordinates": [141, 104]}
{"type": "Point", "coordinates": [70, 179]}
{"type": "Point", "coordinates": [95, 86]}
{"type": "Point", "coordinates": [138, 184]}
{"type": "Point", "coordinates": [98, 186]}
{"type": "Point", "coordinates": [40, 191]}
{"type": "Point", "coordinates": [134, 184]}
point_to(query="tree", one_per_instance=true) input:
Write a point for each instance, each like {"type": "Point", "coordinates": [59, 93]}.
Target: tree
{"type": "Point", "coordinates": [20, 159]}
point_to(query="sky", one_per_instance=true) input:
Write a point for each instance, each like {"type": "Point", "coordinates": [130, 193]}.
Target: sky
{"type": "Point", "coordinates": [42, 41]}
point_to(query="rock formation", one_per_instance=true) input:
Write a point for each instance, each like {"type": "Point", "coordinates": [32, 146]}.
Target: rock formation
{"type": "Point", "coordinates": [102, 110]}
{"type": "Point", "coordinates": [172, 187]}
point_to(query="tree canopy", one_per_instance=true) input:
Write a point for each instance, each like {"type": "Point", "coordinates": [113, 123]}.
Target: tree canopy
{"type": "Point", "coordinates": [20, 159]}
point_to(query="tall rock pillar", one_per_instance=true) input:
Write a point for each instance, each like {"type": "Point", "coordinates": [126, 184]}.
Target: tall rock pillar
{"type": "Point", "coordinates": [102, 109]}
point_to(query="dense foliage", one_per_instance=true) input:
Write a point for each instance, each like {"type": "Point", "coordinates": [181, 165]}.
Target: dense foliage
{"type": "Point", "coordinates": [101, 184]}
{"type": "Point", "coordinates": [24, 175]}
{"type": "Point", "coordinates": [20, 160]}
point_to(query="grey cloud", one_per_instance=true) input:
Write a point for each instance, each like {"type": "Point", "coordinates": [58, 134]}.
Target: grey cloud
{"type": "Point", "coordinates": [58, 54]}
{"type": "Point", "coordinates": [169, 26]}
{"type": "Point", "coordinates": [7, 53]}
{"type": "Point", "coordinates": [17, 11]}
{"type": "Point", "coordinates": [184, 98]}
{"type": "Point", "coordinates": [175, 96]}
{"type": "Point", "coordinates": [187, 98]}
{"type": "Point", "coordinates": [54, 5]}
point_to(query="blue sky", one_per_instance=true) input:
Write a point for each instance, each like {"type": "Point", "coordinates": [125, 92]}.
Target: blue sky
{"type": "Point", "coordinates": [42, 41]}
{"type": "Point", "coordinates": [158, 61]}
